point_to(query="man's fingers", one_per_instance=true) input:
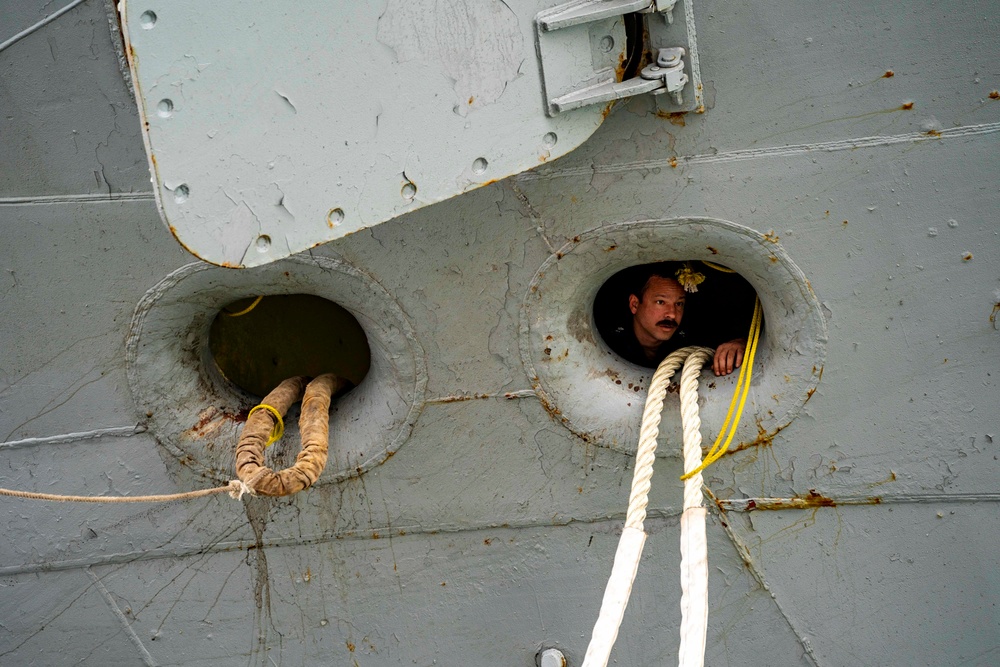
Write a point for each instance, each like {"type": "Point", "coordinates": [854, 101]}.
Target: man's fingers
{"type": "Point", "coordinates": [728, 357]}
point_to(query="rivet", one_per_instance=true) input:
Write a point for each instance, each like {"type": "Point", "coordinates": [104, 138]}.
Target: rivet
{"type": "Point", "coordinates": [409, 191]}
{"type": "Point", "coordinates": [335, 216]}
{"type": "Point", "coordinates": [147, 20]}
{"type": "Point", "coordinates": [550, 139]}
{"type": "Point", "coordinates": [552, 657]}
{"type": "Point", "coordinates": [165, 109]}
{"type": "Point", "coordinates": [181, 193]}
{"type": "Point", "coordinates": [263, 243]}
{"type": "Point", "coordinates": [479, 165]}
{"type": "Point", "coordinates": [607, 43]}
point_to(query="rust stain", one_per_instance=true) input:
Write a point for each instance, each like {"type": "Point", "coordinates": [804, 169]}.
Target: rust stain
{"type": "Point", "coordinates": [673, 162]}
{"type": "Point", "coordinates": [350, 647]}
{"type": "Point", "coordinates": [811, 500]}
{"type": "Point", "coordinates": [993, 315]}
{"type": "Point", "coordinates": [771, 237]}
{"type": "Point", "coordinates": [764, 439]}
{"type": "Point", "coordinates": [610, 248]}
{"type": "Point", "coordinates": [472, 99]}
{"type": "Point", "coordinates": [460, 398]}
{"type": "Point", "coordinates": [933, 133]}
{"type": "Point", "coordinates": [890, 478]}
{"type": "Point", "coordinates": [675, 117]}
{"type": "Point", "coordinates": [967, 257]}
{"type": "Point", "coordinates": [547, 351]}
{"type": "Point", "coordinates": [906, 106]}
{"type": "Point", "coordinates": [774, 260]}
{"type": "Point", "coordinates": [844, 223]}
{"type": "Point", "coordinates": [809, 394]}
{"type": "Point", "coordinates": [995, 94]}
{"type": "Point", "coordinates": [620, 67]}
{"type": "Point", "coordinates": [210, 420]}
{"type": "Point", "coordinates": [712, 250]}
{"type": "Point", "coordinates": [488, 541]}
{"type": "Point", "coordinates": [888, 74]}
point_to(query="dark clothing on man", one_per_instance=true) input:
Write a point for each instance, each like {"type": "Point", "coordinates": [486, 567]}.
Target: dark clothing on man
{"type": "Point", "coordinates": [623, 341]}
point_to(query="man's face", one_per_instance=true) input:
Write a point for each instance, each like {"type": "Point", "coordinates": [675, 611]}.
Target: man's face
{"type": "Point", "coordinates": [658, 315]}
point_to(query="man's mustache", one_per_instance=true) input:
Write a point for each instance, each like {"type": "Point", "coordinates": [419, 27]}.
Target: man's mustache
{"type": "Point", "coordinates": [667, 323]}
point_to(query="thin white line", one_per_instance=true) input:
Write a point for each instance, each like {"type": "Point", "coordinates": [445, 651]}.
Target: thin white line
{"type": "Point", "coordinates": [776, 151]}
{"type": "Point", "coordinates": [114, 431]}
{"type": "Point", "coordinates": [77, 198]}
{"type": "Point", "coordinates": [126, 626]}
{"type": "Point", "coordinates": [45, 21]}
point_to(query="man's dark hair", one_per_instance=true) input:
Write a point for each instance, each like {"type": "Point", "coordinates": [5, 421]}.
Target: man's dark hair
{"type": "Point", "coordinates": [647, 272]}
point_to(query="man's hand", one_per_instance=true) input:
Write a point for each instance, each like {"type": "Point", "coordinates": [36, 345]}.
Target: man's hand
{"type": "Point", "coordinates": [729, 356]}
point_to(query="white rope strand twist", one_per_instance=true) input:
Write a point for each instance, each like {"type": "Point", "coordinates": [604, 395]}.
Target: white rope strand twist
{"type": "Point", "coordinates": [645, 452]}
{"type": "Point", "coordinates": [691, 423]}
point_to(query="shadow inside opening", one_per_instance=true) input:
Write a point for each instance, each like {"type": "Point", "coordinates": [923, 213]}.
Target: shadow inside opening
{"type": "Point", "coordinates": [257, 344]}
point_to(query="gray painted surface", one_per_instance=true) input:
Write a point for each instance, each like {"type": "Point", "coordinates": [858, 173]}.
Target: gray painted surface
{"type": "Point", "coordinates": [494, 497]}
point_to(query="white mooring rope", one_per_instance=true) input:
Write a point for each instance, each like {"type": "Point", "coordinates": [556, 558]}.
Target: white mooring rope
{"type": "Point", "coordinates": [694, 559]}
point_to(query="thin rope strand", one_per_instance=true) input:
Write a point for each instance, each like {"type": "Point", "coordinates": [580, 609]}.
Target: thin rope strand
{"type": "Point", "coordinates": [119, 499]}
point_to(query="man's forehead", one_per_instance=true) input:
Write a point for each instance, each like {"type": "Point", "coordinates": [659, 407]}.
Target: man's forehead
{"type": "Point", "coordinates": [664, 287]}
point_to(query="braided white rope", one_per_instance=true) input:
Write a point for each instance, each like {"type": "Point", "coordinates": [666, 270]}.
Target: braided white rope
{"type": "Point", "coordinates": [619, 587]}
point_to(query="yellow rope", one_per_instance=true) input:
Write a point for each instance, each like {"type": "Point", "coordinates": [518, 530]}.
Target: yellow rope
{"type": "Point", "coordinates": [717, 267]}
{"type": "Point", "coordinates": [740, 394]}
{"type": "Point", "coordinates": [279, 427]}
{"type": "Point", "coordinates": [247, 309]}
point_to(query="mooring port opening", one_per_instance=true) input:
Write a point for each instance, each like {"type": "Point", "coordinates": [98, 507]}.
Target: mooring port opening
{"type": "Point", "coordinates": [259, 341]}
{"type": "Point", "coordinates": [715, 307]}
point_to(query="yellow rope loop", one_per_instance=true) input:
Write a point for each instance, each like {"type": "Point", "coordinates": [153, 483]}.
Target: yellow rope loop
{"type": "Point", "coordinates": [279, 426]}
{"type": "Point", "coordinates": [739, 398]}
{"type": "Point", "coordinates": [245, 310]}
{"type": "Point", "coordinates": [717, 267]}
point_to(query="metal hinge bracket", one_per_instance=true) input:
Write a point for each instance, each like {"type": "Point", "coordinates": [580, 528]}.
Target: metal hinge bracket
{"type": "Point", "coordinates": [671, 72]}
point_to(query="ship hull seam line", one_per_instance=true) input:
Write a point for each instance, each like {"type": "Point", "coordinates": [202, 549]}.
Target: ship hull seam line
{"type": "Point", "coordinates": [114, 431]}
{"type": "Point", "coordinates": [410, 531]}
{"type": "Point", "coordinates": [82, 198]}
{"type": "Point", "coordinates": [41, 24]}
{"type": "Point", "coordinates": [773, 152]}
{"type": "Point", "coordinates": [147, 659]}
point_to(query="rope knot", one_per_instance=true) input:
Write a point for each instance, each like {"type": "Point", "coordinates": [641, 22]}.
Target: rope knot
{"type": "Point", "coordinates": [237, 487]}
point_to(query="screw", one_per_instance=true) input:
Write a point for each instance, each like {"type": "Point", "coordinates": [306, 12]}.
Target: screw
{"type": "Point", "coordinates": [552, 657]}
